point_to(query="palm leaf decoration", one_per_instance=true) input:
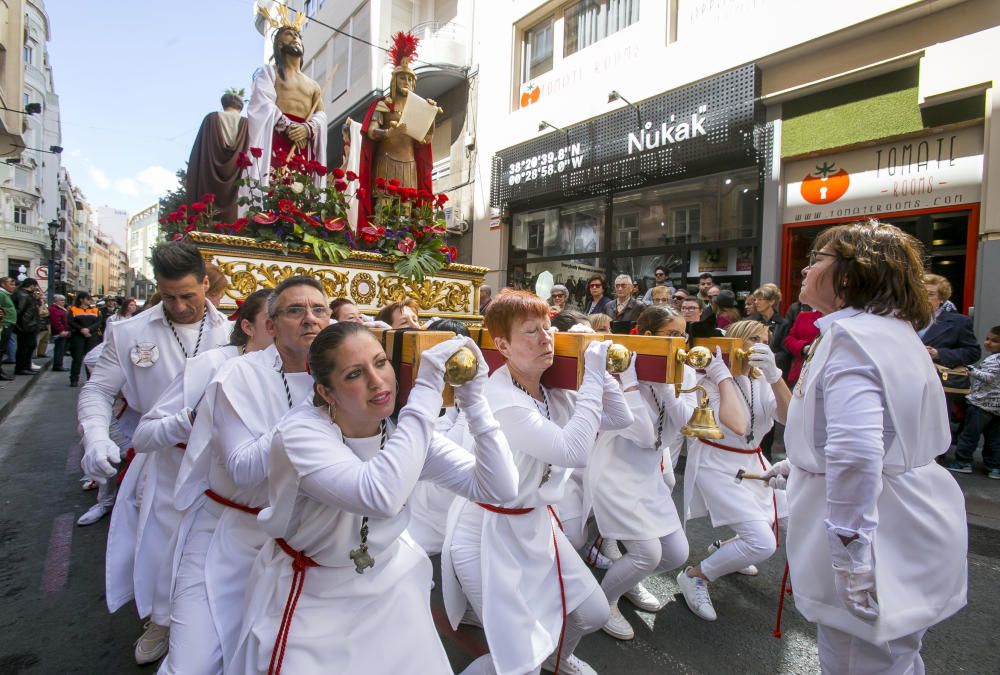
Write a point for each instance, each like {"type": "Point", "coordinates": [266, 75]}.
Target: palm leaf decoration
{"type": "Point", "coordinates": [419, 264]}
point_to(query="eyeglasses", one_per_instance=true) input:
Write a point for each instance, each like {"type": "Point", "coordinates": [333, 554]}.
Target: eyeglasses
{"type": "Point", "coordinates": [660, 274]}
{"type": "Point", "coordinates": [596, 286]}
{"type": "Point", "coordinates": [558, 295]}
{"type": "Point", "coordinates": [675, 334]}
{"type": "Point", "coordinates": [687, 310]}
{"type": "Point", "coordinates": [298, 312]}
{"type": "Point", "coordinates": [815, 254]}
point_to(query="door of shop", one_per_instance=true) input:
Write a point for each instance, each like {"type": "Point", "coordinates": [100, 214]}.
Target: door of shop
{"type": "Point", "coordinates": [948, 236]}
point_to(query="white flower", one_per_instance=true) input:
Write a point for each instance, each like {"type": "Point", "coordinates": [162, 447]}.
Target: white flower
{"type": "Point", "coordinates": [296, 187]}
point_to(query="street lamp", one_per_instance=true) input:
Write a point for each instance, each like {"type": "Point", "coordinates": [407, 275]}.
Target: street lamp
{"type": "Point", "coordinates": [53, 233]}
{"type": "Point", "coordinates": [613, 96]}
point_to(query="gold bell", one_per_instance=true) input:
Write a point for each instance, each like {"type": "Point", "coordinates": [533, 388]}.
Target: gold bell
{"type": "Point", "coordinates": [702, 423]}
{"type": "Point", "coordinates": [618, 358]}
{"type": "Point", "coordinates": [461, 367]}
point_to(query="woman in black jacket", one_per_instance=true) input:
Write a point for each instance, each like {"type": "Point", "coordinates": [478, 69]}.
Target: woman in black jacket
{"type": "Point", "coordinates": [84, 327]}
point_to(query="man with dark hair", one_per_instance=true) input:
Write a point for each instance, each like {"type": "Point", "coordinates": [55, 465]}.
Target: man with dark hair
{"type": "Point", "coordinates": [247, 397]}
{"type": "Point", "coordinates": [141, 358]}
{"type": "Point", "coordinates": [213, 166]}
{"type": "Point", "coordinates": [705, 282]}
{"type": "Point", "coordinates": [660, 279]}
{"type": "Point", "coordinates": [8, 317]}
{"type": "Point", "coordinates": [26, 328]}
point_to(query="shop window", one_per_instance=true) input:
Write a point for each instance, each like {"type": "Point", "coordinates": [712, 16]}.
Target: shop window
{"type": "Point", "coordinates": [569, 229]}
{"type": "Point", "coordinates": [587, 21]}
{"type": "Point", "coordinates": [571, 273]}
{"type": "Point", "coordinates": [536, 54]}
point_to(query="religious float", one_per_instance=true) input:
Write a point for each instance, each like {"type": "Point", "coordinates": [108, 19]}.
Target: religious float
{"type": "Point", "coordinates": [371, 230]}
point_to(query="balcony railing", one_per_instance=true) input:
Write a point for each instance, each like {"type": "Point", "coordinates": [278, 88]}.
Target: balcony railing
{"type": "Point", "coordinates": [442, 44]}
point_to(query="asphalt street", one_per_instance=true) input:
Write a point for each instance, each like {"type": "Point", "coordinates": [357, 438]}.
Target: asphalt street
{"type": "Point", "coordinates": [53, 617]}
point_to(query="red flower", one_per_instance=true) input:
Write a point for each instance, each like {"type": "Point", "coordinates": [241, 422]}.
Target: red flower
{"type": "Point", "coordinates": [256, 152]}
{"type": "Point", "coordinates": [380, 183]}
{"type": "Point", "coordinates": [453, 252]}
{"type": "Point", "coordinates": [335, 224]}
{"type": "Point", "coordinates": [340, 186]}
{"type": "Point", "coordinates": [242, 161]}
{"type": "Point", "coordinates": [393, 182]}
{"type": "Point", "coordinates": [393, 189]}
{"type": "Point", "coordinates": [338, 173]}
{"type": "Point", "coordinates": [286, 218]}
{"type": "Point", "coordinates": [442, 199]}
{"type": "Point", "coordinates": [406, 246]}
{"type": "Point", "coordinates": [189, 227]}
{"type": "Point", "coordinates": [319, 169]}
{"type": "Point", "coordinates": [208, 198]}
{"type": "Point", "coordinates": [351, 176]}
{"type": "Point", "coordinates": [376, 232]}
{"type": "Point", "coordinates": [240, 224]}
{"type": "Point", "coordinates": [362, 193]}
{"type": "Point", "coordinates": [177, 236]}
{"type": "Point", "coordinates": [198, 207]}
{"type": "Point", "coordinates": [285, 205]}
{"type": "Point", "coordinates": [264, 218]}
{"type": "Point", "coordinates": [183, 209]}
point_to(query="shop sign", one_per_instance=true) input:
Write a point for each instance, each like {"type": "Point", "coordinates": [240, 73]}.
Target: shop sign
{"type": "Point", "coordinates": [921, 173]}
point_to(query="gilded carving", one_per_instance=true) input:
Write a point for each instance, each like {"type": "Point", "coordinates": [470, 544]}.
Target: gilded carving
{"type": "Point", "coordinates": [246, 276]}
{"type": "Point", "coordinates": [366, 295]}
{"type": "Point", "coordinates": [445, 295]}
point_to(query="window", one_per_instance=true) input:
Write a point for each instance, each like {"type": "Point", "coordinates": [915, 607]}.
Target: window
{"type": "Point", "coordinates": [22, 178]}
{"type": "Point", "coordinates": [29, 53]}
{"type": "Point", "coordinates": [340, 48]}
{"type": "Point", "coordinates": [570, 228]}
{"type": "Point", "coordinates": [587, 21]}
{"type": "Point", "coordinates": [361, 53]}
{"type": "Point", "coordinates": [20, 215]}
{"type": "Point", "coordinates": [537, 56]}
{"type": "Point", "coordinates": [685, 224]}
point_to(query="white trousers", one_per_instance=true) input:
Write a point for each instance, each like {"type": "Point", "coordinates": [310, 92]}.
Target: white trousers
{"type": "Point", "coordinates": [841, 653]}
{"type": "Point", "coordinates": [642, 559]}
{"type": "Point", "coordinates": [195, 647]}
{"type": "Point", "coordinates": [755, 543]}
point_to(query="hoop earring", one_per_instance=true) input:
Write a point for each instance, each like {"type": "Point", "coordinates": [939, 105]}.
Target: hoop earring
{"type": "Point", "coordinates": [332, 412]}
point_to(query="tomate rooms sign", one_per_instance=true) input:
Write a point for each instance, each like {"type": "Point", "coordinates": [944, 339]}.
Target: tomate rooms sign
{"type": "Point", "coordinates": [920, 173]}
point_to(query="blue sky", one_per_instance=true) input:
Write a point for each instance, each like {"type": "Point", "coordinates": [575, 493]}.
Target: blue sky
{"type": "Point", "coordinates": [134, 79]}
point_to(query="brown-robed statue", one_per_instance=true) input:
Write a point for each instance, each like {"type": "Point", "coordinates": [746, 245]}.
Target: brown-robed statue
{"type": "Point", "coordinates": [212, 167]}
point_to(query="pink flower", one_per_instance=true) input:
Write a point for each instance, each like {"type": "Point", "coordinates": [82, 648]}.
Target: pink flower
{"type": "Point", "coordinates": [335, 224]}
{"type": "Point", "coordinates": [264, 218]}
{"type": "Point", "coordinates": [407, 245]}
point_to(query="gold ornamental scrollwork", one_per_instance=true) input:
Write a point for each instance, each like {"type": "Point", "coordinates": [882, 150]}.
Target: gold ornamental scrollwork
{"type": "Point", "coordinates": [247, 276]}
{"type": "Point", "coordinates": [430, 294]}
{"type": "Point", "coordinates": [363, 297]}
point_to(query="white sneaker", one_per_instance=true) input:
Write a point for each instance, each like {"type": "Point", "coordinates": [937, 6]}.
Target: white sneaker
{"type": "Point", "coordinates": [749, 570]}
{"type": "Point", "coordinates": [35, 368]}
{"type": "Point", "coordinates": [609, 547]}
{"type": "Point", "coordinates": [618, 626]}
{"type": "Point", "coordinates": [695, 590]}
{"type": "Point", "coordinates": [93, 514]}
{"type": "Point", "coordinates": [570, 665]}
{"type": "Point", "coordinates": [643, 599]}
{"type": "Point", "coordinates": [153, 643]}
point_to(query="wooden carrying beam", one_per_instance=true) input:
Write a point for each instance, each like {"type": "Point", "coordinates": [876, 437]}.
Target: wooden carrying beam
{"type": "Point", "coordinates": [403, 347]}
{"type": "Point", "coordinates": [733, 352]}
{"type": "Point", "coordinates": [656, 357]}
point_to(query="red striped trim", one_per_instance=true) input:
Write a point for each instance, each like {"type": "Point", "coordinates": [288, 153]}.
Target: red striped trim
{"type": "Point", "coordinates": [728, 448]}
{"type": "Point", "coordinates": [504, 510]}
{"type": "Point", "coordinates": [219, 499]}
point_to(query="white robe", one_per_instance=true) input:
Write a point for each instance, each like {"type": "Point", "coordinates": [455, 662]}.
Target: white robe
{"type": "Point", "coordinates": [228, 453]}
{"type": "Point", "coordinates": [263, 114]}
{"type": "Point", "coordinates": [320, 485]}
{"type": "Point", "coordinates": [522, 608]}
{"type": "Point", "coordinates": [709, 477]}
{"type": "Point", "coordinates": [429, 502]}
{"type": "Point", "coordinates": [624, 481]}
{"type": "Point", "coordinates": [917, 525]}
{"type": "Point", "coordinates": [136, 540]}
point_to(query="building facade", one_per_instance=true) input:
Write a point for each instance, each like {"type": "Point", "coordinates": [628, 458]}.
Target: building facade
{"type": "Point", "coordinates": [11, 77]}
{"type": "Point", "coordinates": [616, 137]}
{"type": "Point", "coordinates": [100, 263]}
{"type": "Point", "coordinates": [141, 236]}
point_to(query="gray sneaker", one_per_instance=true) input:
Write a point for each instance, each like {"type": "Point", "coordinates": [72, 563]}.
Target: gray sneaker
{"type": "Point", "coordinates": [153, 644]}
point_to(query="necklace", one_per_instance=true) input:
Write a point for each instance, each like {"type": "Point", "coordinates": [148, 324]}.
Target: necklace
{"type": "Point", "coordinates": [661, 408]}
{"type": "Point", "coordinates": [362, 559]}
{"type": "Point", "coordinates": [288, 392]}
{"type": "Point", "coordinates": [800, 384]}
{"type": "Point", "coordinates": [749, 402]}
{"type": "Point", "coordinates": [545, 399]}
{"type": "Point", "coordinates": [201, 328]}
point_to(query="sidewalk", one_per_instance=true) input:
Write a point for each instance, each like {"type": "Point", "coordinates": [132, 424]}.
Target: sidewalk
{"type": "Point", "coordinates": [11, 393]}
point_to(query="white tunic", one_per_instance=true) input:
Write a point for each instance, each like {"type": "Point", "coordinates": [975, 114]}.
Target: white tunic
{"type": "Point", "coordinates": [867, 467]}
{"type": "Point", "coordinates": [429, 502]}
{"type": "Point", "coordinates": [141, 358]}
{"type": "Point", "coordinates": [624, 480]}
{"type": "Point", "coordinates": [320, 486]}
{"type": "Point", "coordinates": [522, 609]}
{"type": "Point", "coordinates": [228, 453]}
{"type": "Point", "coordinates": [709, 477]}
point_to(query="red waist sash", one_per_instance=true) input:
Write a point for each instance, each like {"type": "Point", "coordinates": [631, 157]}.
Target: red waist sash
{"type": "Point", "coordinates": [300, 563]}
{"type": "Point", "coordinates": [219, 499]}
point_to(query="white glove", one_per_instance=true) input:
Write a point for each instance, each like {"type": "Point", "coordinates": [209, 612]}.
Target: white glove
{"type": "Point", "coordinates": [378, 324]}
{"type": "Point", "coordinates": [629, 378]}
{"type": "Point", "coordinates": [98, 459]}
{"type": "Point", "coordinates": [717, 371]}
{"type": "Point", "coordinates": [854, 576]}
{"type": "Point", "coordinates": [595, 359]}
{"type": "Point", "coordinates": [778, 473]}
{"type": "Point", "coordinates": [762, 357]}
{"type": "Point", "coordinates": [432, 361]}
{"type": "Point", "coordinates": [470, 393]}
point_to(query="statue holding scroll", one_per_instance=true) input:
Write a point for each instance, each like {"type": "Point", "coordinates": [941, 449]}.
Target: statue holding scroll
{"type": "Point", "coordinates": [286, 105]}
{"type": "Point", "coordinates": [392, 148]}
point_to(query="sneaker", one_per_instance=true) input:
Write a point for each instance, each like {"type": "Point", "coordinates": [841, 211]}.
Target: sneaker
{"type": "Point", "coordinates": [93, 514]}
{"type": "Point", "coordinates": [643, 599]}
{"type": "Point", "coordinates": [610, 550]}
{"type": "Point", "coordinates": [570, 665]}
{"type": "Point", "coordinates": [994, 473]}
{"type": "Point", "coordinates": [695, 590]}
{"type": "Point", "coordinates": [749, 570]}
{"type": "Point", "coordinates": [35, 368]}
{"type": "Point", "coordinates": [959, 467]}
{"type": "Point", "coordinates": [153, 643]}
{"type": "Point", "coordinates": [618, 626]}
{"type": "Point", "coordinates": [595, 558]}
{"type": "Point", "coordinates": [87, 485]}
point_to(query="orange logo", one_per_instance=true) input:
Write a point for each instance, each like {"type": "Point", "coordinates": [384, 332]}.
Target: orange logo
{"type": "Point", "coordinates": [825, 185]}
{"type": "Point", "coordinates": [530, 93]}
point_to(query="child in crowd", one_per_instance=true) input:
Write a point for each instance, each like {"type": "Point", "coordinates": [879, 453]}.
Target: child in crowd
{"type": "Point", "coordinates": [983, 415]}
